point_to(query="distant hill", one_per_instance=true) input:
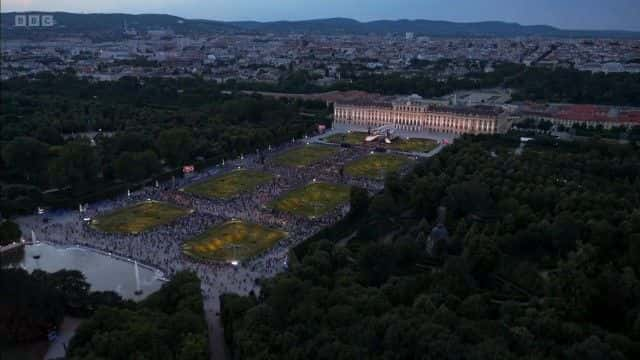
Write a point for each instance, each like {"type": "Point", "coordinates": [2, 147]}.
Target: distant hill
{"type": "Point", "coordinates": [423, 27]}
{"type": "Point", "coordinates": [111, 24]}
{"type": "Point", "coordinates": [98, 24]}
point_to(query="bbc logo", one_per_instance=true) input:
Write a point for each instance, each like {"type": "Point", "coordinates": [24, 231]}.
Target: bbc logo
{"type": "Point", "coordinates": [33, 20]}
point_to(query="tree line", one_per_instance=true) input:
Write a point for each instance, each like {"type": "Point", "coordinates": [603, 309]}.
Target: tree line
{"type": "Point", "coordinates": [168, 324]}
{"type": "Point", "coordinates": [33, 304]}
{"type": "Point", "coordinates": [542, 84]}
{"type": "Point", "coordinates": [78, 138]}
{"type": "Point", "coordinates": [542, 263]}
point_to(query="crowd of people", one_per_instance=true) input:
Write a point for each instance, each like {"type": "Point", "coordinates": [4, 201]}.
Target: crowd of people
{"type": "Point", "coordinates": [161, 247]}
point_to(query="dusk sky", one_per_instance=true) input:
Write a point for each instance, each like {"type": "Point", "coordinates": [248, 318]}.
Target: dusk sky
{"type": "Point", "coordinates": [569, 14]}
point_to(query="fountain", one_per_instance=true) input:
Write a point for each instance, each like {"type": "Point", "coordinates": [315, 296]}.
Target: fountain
{"type": "Point", "coordinates": [33, 239]}
{"type": "Point", "coordinates": [103, 272]}
{"type": "Point", "coordinates": [138, 291]}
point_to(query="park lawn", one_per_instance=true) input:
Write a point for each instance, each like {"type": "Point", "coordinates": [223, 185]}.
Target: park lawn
{"type": "Point", "coordinates": [352, 138]}
{"type": "Point", "coordinates": [305, 156]}
{"type": "Point", "coordinates": [413, 145]}
{"type": "Point", "coordinates": [314, 200]}
{"type": "Point", "coordinates": [232, 241]}
{"type": "Point", "coordinates": [230, 185]}
{"type": "Point", "coordinates": [138, 218]}
{"type": "Point", "coordinates": [376, 166]}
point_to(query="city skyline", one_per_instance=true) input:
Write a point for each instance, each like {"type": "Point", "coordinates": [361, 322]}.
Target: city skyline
{"type": "Point", "coordinates": [567, 14]}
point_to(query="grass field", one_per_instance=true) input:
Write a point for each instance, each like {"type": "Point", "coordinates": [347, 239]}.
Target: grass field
{"type": "Point", "coordinates": [413, 145]}
{"type": "Point", "coordinates": [305, 156]}
{"type": "Point", "coordinates": [233, 241]}
{"type": "Point", "coordinates": [230, 185]}
{"type": "Point", "coordinates": [375, 166]}
{"type": "Point", "coordinates": [353, 138]}
{"type": "Point", "coordinates": [399, 144]}
{"type": "Point", "coordinates": [138, 218]}
{"type": "Point", "coordinates": [313, 200]}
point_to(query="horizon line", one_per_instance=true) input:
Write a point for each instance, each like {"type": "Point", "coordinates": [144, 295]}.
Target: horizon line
{"type": "Point", "coordinates": [328, 18]}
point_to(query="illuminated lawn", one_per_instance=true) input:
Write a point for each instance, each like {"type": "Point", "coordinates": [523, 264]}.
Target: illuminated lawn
{"type": "Point", "coordinates": [305, 156]}
{"type": "Point", "coordinates": [376, 166]}
{"type": "Point", "coordinates": [138, 218]}
{"type": "Point", "coordinates": [231, 241]}
{"type": "Point", "coordinates": [230, 185]}
{"type": "Point", "coordinates": [313, 200]}
{"type": "Point", "coordinates": [353, 138]}
{"type": "Point", "coordinates": [413, 145]}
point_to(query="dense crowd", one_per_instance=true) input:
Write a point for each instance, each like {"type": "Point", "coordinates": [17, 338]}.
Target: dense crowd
{"type": "Point", "coordinates": [161, 247]}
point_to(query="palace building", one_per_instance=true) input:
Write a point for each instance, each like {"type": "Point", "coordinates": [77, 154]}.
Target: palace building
{"type": "Point", "coordinates": [413, 114]}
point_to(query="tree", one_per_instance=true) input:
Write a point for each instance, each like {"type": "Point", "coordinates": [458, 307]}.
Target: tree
{"type": "Point", "coordinates": [593, 349]}
{"type": "Point", "coordinates": [31, 307]}
{"type": "Point", "coordinates": [468, 198]}
{"type": "Point", "coordinates": [482, 254]}
{"type": "Point", "coordinates": [216, 125]}
{"type": "Point", "coordinates": [564, 232]}
{"type": "Point", "coordinates": [511, 294]}
{"type": "Point", "coordinates": [49, 135]}
{"type": "Point", "coordinates": [194, 347]}
{"type": "Point", "coordinates": [136, 166]}
{"type": "Point", "coordinates": [574, 285]}
{"type": "Point", "coordinates": [73, 285]}
{"type": "Point", "coordinates": [175, 146]}
{"type": "Point", "coordinates": [169, 324]}
{"type": "Point", "coordinates": [376, 263]}
{"type": "Point", "coordinates": [9, 232]}
{"type": "Point", "coordinates": [126, 167]}
{"type": "Point", "coordinates": [132, 142]}
{"type": "Point", "coordinates": [76, 166]}
{"type": "Point", "coordinates": [19, 199]}
{"type": "Point", "coordinates": [633, 254]}
{"type": "Point", "coordinates": [359, 200]}
{"type": "Point", "coordinates": [27, 156]}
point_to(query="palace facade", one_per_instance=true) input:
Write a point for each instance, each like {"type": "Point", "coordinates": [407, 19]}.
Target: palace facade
{"type": "Point", "coordinates": [416, 115]}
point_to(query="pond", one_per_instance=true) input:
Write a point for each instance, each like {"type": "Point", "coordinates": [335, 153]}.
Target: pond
{"type": "Point", "coordinates": [102, 271]}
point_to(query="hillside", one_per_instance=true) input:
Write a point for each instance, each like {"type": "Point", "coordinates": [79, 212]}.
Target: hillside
{"type": "Point", "coordinates": [114, 23]}
{"type": "Point", "coordinates": [419, 27]}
